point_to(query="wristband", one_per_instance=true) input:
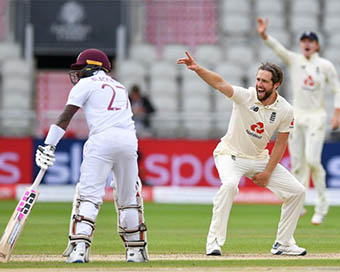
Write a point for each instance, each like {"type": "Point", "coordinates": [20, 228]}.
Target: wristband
{"type": "Point", "coordinates": [54, 135]}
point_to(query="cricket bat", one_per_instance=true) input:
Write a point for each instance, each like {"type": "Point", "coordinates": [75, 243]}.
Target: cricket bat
{"type": "Point", "coordinates": [18, 219]}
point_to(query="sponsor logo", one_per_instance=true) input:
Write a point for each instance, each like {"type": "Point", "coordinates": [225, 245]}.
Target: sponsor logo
{"type": "Point", "coordinates": [291, 124]}
{"type": "Point", "coordinates": [256, 129]}
{"type": "Point", "coordinates": [254, 108]}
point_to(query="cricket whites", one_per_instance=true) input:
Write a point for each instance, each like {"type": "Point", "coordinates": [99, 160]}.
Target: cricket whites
{"type": "Point", "coordinates": [18, 219]}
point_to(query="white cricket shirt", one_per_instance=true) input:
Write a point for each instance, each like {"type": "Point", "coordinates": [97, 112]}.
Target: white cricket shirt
{"type": "Point", "coordinates": [309, 78]}
{"type": "Point", "coordinates": [105, 102]}
{"type": "Point", "coordinates": [252, 124]}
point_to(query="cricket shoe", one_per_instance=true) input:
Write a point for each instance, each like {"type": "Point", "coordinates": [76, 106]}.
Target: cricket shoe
{"type": "Point", "coordinates": [292, 250]}
{"type": "Point", "coordinates": [78, 254]}
{"type": "Point", "coordinates": [213, 249]}
{"type": "Point", "coordinates": [135, 255]}
{"type": "Point", "coordinates": [318, 218]}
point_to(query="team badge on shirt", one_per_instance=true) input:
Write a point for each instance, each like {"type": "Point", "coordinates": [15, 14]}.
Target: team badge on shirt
{"type": "Point", "coordinates": [272, 117]}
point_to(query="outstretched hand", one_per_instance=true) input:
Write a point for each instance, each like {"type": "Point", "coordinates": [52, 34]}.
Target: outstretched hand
{"type": "Point", "coordinates": [189, 62]}
{"type": "Point", "coordinates": [262, 26]}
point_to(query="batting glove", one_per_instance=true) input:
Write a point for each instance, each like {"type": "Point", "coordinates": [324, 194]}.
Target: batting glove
{"type": "Point", "coordinates": [44, 157]}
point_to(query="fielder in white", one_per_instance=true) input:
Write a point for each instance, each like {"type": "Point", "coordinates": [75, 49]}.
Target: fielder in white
{"type": "Point", "coordinates": [257, 114]}
{"type": "Point", "coordinates": [111, 146]}
{"type": "Point", "coordinates": [310, 75]}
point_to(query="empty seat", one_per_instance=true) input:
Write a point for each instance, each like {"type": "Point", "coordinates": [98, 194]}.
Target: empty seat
{"type": "Point", "coordinates": [240, 54]}
{"type": "Point", "coordinates": [16, 67]}
{"type": "Point", "coordinates": [17, 122]}
{"type": "Point", "coordinates": [222, 103]}
{"type": "Point", "coordinates": [9, 50]}
{"type": "Point", "coordinates": [331, 7]}
{"type": "Point", "coordinates": [281, 35]}
{"type": "Point", "coordinates": [300, 23]}
{"type": "Point", "coordinates": [165, 102]}
{"type": "Point", "coordinates": [17, 85]}
{"type": "Point", "coordinates": [232, 6]}
{"type": "Point", "coordinates": [196, 103]}
{"type": "Point", "coordinates": [307, 7]}
{"type": "Point", "coordinates": [230, 71]}
{"type": "Point", "coordinates": [331, 24]}
{"type": "Point", "coordinates": [163, 70]}
{"type": "Point", "coordinates": [267, 54]}
{"type": "Point", "coordinates": [269, 6]}
{"type": "Point", "coordinates": [15, 100]}
{"type": "Point", "coordinates": [145, 53]}
{"type": "Point", "coordinates": [197, 125]}
{"type": "Point", "coordinates": [235, 24]}
{"type": "Point", "coordinates": [209, 54]}
{"type": "Point", "coordinates": [192, 87]}
{"type": "Point", "coordinates": [166, 124]}
{"type": "Point", "coordinates": [163, 86]}
{"type": "Point", "coordinates": [130, 68]}
{"type": "Point", "coordinates": [172, 52]}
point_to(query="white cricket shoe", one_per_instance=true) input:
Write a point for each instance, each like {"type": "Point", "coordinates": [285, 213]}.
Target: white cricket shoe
{"type": "Point", "coordinates": [292, 250]}
{"type": "Point", "coordinates": [135, 255]}
{"type": "Point", "coordinates": [318, 218]}
{"type": "Point", "coordinates": [213, 249]}
{"type": "Point", "coordinates": [78, 254]}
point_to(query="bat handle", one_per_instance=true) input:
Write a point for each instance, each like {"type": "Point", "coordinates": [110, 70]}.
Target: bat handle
{"type": "Point", "coordinates": [38, 178]}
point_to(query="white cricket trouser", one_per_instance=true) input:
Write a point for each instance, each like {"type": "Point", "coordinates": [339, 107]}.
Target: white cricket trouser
{"type": "Point", "coordinates": [112, 150]}
{"type": "Point", "coordinates": [282, 183]}
{"type": "Point", "coordinates": [305, 147]}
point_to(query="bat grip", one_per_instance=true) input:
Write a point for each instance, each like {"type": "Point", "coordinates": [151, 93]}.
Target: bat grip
{"type": "Point", "coordinates": [38, 178]}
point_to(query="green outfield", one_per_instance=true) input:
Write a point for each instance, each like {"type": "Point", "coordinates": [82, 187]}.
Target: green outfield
{"type": "Point", "coordinates": [176, 230]}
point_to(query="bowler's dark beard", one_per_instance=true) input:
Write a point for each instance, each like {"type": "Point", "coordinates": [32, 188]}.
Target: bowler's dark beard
{"type": "Point", "coordinates": [267, 94]}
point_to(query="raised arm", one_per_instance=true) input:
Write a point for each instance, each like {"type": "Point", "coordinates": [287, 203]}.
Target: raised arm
{"type": "Point", "coordinates": [272, 43]}
{"type": "Point", "coordinates": [210, 77]}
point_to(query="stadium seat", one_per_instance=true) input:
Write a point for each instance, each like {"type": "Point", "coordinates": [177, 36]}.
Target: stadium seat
{"type": "Point", "coordinates": [236, 6]}
{"type": "Point", "coordinates": [209, 54]}
{"type": "Point", "coordinates": [16, 67]}
{"type": "Point", "coordinates": [159, 86]}
{"type": "Point", "coordinates": [240, 54]}
{"type": "Point", "coordinates": [331, 7]}
{"type": "Point", "coordinates": [172, 52]}
{"type": "Point", "coordinates": [165, 102]}
{"type": "Point", "coordinates": [195, 86]}
{"type": "Point", "coordinates": [17, 123]}
{"type": "Point", "coordinates": [196, 103]}
{"type": "Point", "coordinates": [266, 7]}
{"type": "Point", "coordinates": [163, 70]}
{"type": "Point", "coordinates": [267, 54]}
{"type": "Point", "coordinates": [16, 100]}
{"type": "Point", "coordinates": [236, 24]}
{"type": "Point", "coordinates": [197, 125]}
{"type": "Point", "coordinates": [231, 72]}
{"type": "Point", "coordinates": [166, 124]}
{"type": "Point", "coordinates": [300, 23]}
{"type": "Point", "coordinates": [307, 7]}
{"type": "Point", "coordinates": [331, 24]}
{"type": "Point", "coordinates": [17, 85]}
{"type": "Point", "coordinates": [222, 103]}
{"type": "Point", "coordinates": [130, 68]}
{"type": "Point", "coordinates": [145, 53]}
{"type": "Point", "coordinates": [9, 50]}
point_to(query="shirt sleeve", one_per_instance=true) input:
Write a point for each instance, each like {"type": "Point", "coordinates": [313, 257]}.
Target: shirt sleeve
{"type": "Point", "coordinates": [241, 95]}
{"type": "Point", "coordinates": [334, 84]}
{"type": "Point", "coordinates": [78, 95]}
{"type": "Point", "coordinates": [287, 123]}
{"type": "Point", "coordinates": [279, 49]}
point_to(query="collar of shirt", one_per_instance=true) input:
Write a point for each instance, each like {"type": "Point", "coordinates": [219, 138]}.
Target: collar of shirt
{"type": "Point", "coordinates": [271, 106]}
{"type": "Point", "coordinates": [312, 57]}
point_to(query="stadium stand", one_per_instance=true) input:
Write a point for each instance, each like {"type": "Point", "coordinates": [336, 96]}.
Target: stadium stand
{"type": "Point", "coordinates": [221, 34]}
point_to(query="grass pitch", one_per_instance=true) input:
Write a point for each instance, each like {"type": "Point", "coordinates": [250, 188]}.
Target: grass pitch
{"type": "Point", "coordinates": [176, 229]}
